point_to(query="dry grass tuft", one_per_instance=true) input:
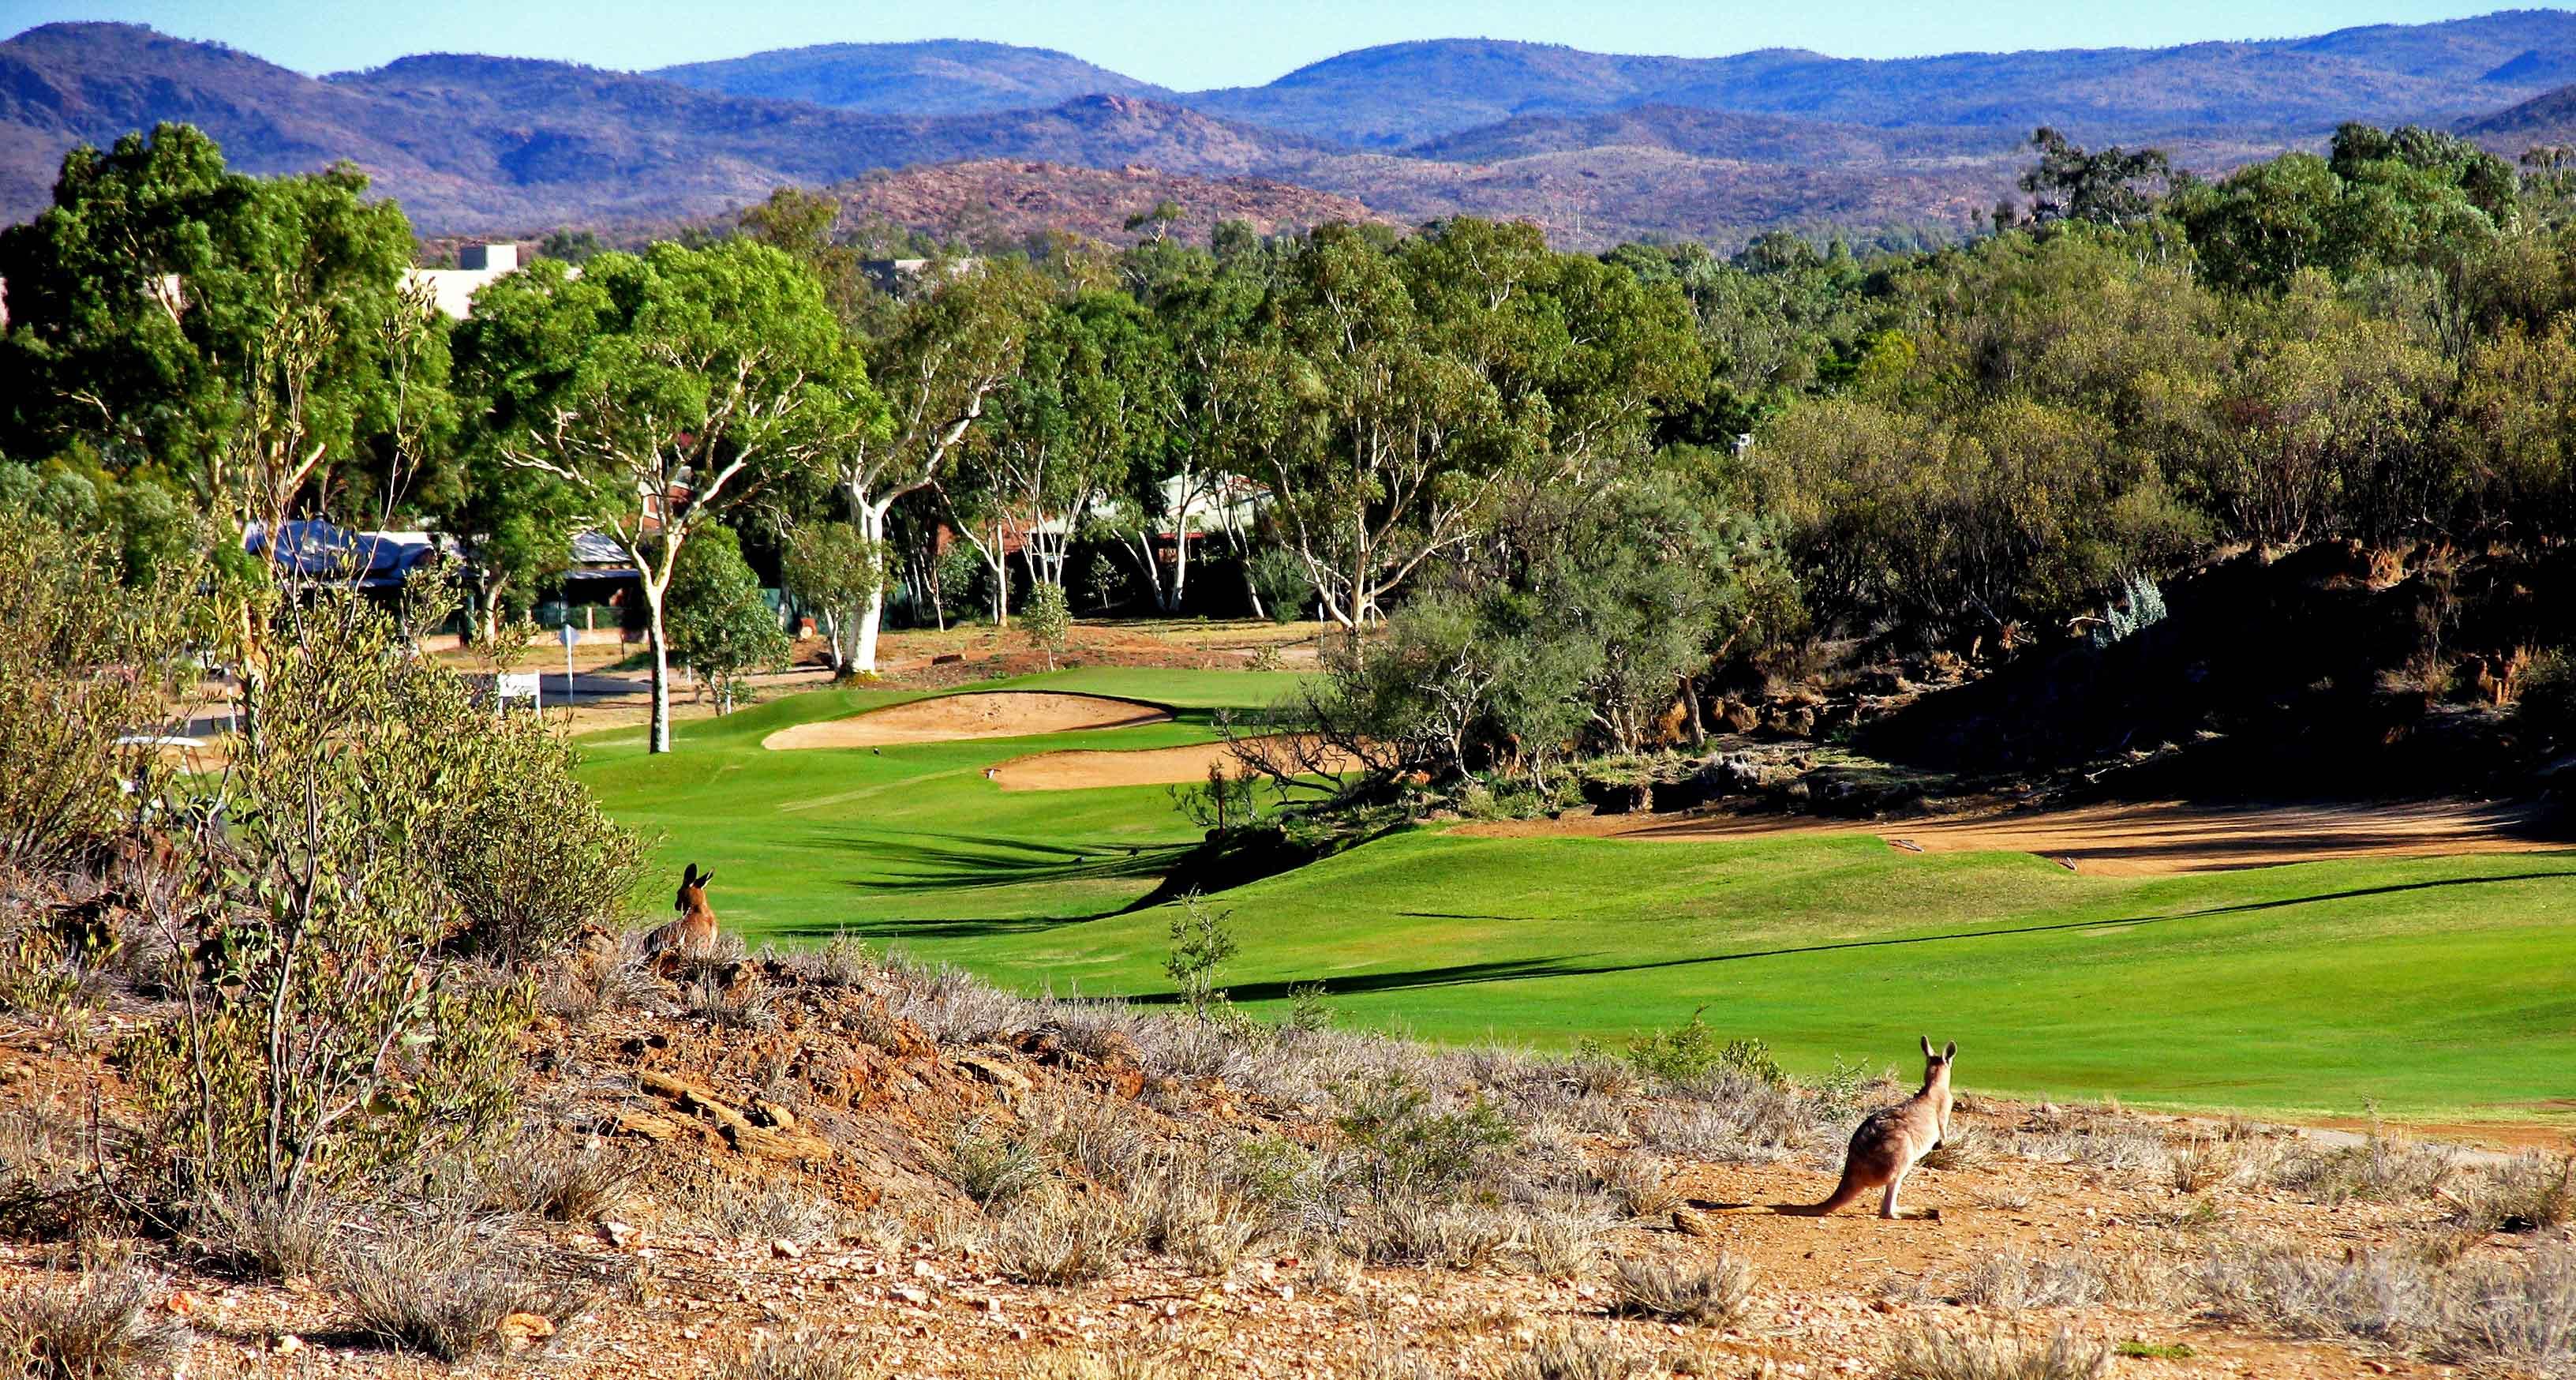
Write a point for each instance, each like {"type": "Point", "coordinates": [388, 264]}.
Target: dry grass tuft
{"type": "Point", "coordinates": [2382, 1168]}
{"type": "Point", "coordinates": [1966, 1145]}
{"type": "Point", "coordinates": [798, 1355]}
{"type": "Point", "coordinates": [1932, 1352]}
{"type": "Point", "coordinates": [1711, 1295]}
{"type": "Point", "coordinates": [562, 1179]}
{"type": "Point", "coordinates": [1051, 1238]}
{"type": "Point", "coordinates": [1571, 1355]}
{"type": "Point", "coordinates": [2374, 1297]}
{"type": "Point", "coordinates": [775, 1212]}
{"type": "Point", "coordinates": [1641, 1186]}
{"type": "Point", "coordinates": [2200, 1164]}
{"type": "Point", "coordinates": [101, 1328]}
{"type": "Point", "coordinates": [435, 1288]}
{"type": "Point", "coordinates": [988, 1166]}
{"type": "Point", "coordinates": [260, 1235]}
{"type": "Point", "coordinates": [1415, 1231]}
{"type": "Point", "coordinates": [1122, 1364]}
{"type": "Point", "coordinates": [2012, 1280]}
{"type": "Point", "coordinates": [2530, 1192]}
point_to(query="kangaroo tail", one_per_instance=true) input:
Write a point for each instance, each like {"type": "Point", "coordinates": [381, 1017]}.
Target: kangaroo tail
{"type": "Point", "coordinates": [1844, 1195]}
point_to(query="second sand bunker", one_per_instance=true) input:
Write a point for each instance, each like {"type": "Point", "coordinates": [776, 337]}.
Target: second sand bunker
{"type": "Point", "coordinates": [948, 718]}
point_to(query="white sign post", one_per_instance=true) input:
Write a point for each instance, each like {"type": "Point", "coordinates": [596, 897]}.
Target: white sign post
{"type": "Point", "coordinates": [514, 685]}
{"type": "Point", "coordinates": [568, 636]}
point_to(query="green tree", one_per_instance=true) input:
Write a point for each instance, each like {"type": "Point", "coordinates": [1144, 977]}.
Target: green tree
{"type": "Point", "coordinates": [666, 390]}
{"type": "Point", "coordinates": [833, 570]}
{"type": "Point", "coordinates": [228, 332]}
{"type": "Point", "coordinates": [1047, 620]}
{"type": "Point", "coordinates": [720, 627]}
{"type": "Point", "coordinates": [2102, 187]}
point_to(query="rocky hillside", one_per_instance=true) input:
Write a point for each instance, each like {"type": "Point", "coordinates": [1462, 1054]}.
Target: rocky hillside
{"type": "Point", "coordinates": [1594, 146]}
{"type": "Point", "coordinates": [832, 1166]}
{"type": "Point", "coordinates": [1013, 197]}
{"type": "Point", "coordinates": [470, 143]}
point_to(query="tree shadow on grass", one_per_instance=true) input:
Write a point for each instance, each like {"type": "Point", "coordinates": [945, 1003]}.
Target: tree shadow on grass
{"type": "Point", "coordinates": [1464, 974]}
{"type": "Point", "coordinates": [972, 862]}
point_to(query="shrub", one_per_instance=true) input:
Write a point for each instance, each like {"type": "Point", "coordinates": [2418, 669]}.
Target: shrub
{"type": "Point", "coordinates": [1280, 578]}
{"type": "Point", "coordinates": [82, 663]}
{"type": "Point", "coordinates": [434, 1288]}
{"type": "Point", "coordinates": [101, 1328]}
{"type": "Point", "coordinates": [1202, 940]}
{"type": "Point", "coordinates": [1053, 1239]}
{"type": "Point", "coordinates": [1406, 1147]}
{"type": "Point", "coordinates": [801, 1354]}
{"type": "Point", "coordinates": [1939, 1353]}
{"type": "Point", "coordinates": [533, 863]}
{"type": "Point", "coordinates": [1690, 1051]}
{"type": "Point", "coordinates": [2143, 607]}
{"type": "Point", "coordinates": [1711, 1295]}
{"type": "Point", "coordinates": [319, 1038]}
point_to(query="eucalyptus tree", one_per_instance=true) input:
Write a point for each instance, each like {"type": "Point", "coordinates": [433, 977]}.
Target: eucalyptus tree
{"type": "Point", "coordinates": [1379, 449]}
{"type": "Point", "coordinates": [664, 391]}
{"type": "Point", "coordinates": [933, 374]}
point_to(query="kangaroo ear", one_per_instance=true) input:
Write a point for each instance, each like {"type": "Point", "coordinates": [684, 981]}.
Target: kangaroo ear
{"type": "Point", "coordinates": [1950, 1051]}
{"type": "Point", "coordinates": [690, 876]}
{"type": "Point", "coordinates": [702, 881]}
{"type": "Point", "coordinates": [1927, 1046]}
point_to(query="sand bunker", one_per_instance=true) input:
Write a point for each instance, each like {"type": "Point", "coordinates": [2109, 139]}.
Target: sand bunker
{"type": "Point", "coordinates": [2136, 840]}
{"type": "Point", "coordinates": [994, 714]}
{"type": "Point", "coordinates": [1081, 769]}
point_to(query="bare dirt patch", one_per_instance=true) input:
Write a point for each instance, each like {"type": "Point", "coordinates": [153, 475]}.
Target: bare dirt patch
{"type": "Point", "coordinates": [2137, 840]}
{"type": "Point", "coordinates": [1083, 768]}
{"type": "Point", "coordinates": [995, 714]}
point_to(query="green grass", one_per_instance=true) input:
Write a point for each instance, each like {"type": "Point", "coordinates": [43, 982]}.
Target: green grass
{"type": "Point", "coordinates": [2441, 987]}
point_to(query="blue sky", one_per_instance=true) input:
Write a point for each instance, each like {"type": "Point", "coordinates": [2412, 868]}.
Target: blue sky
{"type": "Point", "coordinates": [1207, 43]}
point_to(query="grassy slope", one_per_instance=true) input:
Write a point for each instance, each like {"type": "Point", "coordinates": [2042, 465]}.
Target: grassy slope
{"type": "Point", "coordinates": [2441, 987]}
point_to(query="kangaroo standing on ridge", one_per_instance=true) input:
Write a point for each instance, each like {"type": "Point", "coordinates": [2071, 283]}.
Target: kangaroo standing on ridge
{"type": "Point", "coordinates": [1891, 1139]}
{"type": "Point", "coordinates": [695, 930]}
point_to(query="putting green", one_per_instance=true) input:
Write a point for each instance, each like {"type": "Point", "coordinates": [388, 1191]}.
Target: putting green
{"type": "Point", "coordinates": [2441, 987]}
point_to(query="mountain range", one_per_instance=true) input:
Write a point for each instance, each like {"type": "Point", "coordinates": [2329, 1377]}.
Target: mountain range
{"type": "Point", "coordinates": [1596, 146]}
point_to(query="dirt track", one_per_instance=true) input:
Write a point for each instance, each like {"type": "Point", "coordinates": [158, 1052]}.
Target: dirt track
{"type": "Point", "coordinates": [1082, 768]}
{"type": "Point", "coordinates": [994, 714]}
{"type": "Point", "coordinates": [2133, 840]}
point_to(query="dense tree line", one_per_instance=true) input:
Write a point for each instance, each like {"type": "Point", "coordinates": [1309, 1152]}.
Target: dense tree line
{"type": "Point", "coordinates": [1541, 496]}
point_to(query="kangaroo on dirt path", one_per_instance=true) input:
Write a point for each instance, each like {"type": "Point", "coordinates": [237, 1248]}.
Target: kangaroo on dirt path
{"type": "Point", "coordinates": [695, 930]}
{"type": "Point", "coordinates": [1891, 1139]}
